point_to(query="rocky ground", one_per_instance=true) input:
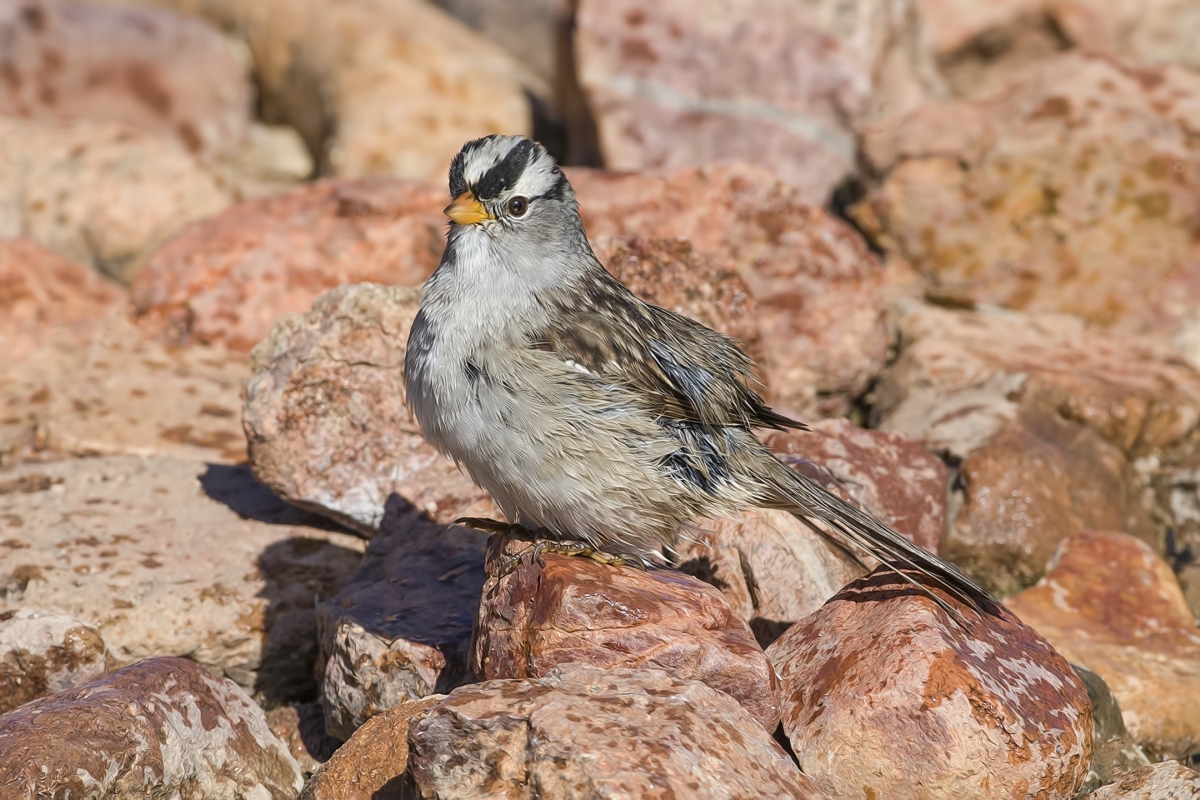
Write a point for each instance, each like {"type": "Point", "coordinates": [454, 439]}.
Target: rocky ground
{"type": "Point", "coordinates": [961, 239]}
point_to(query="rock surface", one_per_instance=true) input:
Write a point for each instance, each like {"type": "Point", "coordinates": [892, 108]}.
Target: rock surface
{"type": "Point", "coordinates": [301, 728]}
{"type": "Point", "coordinates": [229, 278]}
{"type": "Point", "coordinates": [586, 732]}
{"type": "Point", "coordinates": [1053, 427]}
{"type": "Point", "coordinates": [100, 193]}
{"type": "Point", "coordinates": [372, 764]}
{"type": "Point", "coordinates": [1074, 190]}
{"type": "Point", "coordinates": [559, 609]}
{"type": "Point", "coordinates": [155, 71]}
{"type": "Point", "coordinates": [330, 384]}
{"type": "Point", "coordinates": [43, 652]}
{"type": "Point", "coordinates": [45, 297]}
{"type": "Point", "coordinates": [121, 394]}
{"type": "Point", "coordinates": [1109, 603]}
{"type": "Point", "coordinates": [167, 557]}
{"type": "Point", "coordinates": [1113, 754]}
{"type": "Point", "coordinates": [162, 727]}
{"type": "Point", "coordinates": [1165, 780]}
{"type": "Point", "coordinates": [884, 695]}
{"type": "Point", "coordinates": [817, 288]}
{"type": "Point", "coordinates": [400, 629]}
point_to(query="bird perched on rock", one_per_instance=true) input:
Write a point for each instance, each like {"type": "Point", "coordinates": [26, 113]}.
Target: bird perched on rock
{"type": "Point", "coordinates": [600, 422]}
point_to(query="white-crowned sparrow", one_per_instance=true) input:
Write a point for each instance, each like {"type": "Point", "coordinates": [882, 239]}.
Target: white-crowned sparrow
{"type": "Point", "coordinates": [589, 415]}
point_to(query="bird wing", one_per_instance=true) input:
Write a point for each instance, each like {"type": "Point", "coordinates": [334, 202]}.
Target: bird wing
{"type": "Point", "coordinates": [683, 370]}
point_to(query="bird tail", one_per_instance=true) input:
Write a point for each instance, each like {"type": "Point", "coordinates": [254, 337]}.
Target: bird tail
{"type": "Point", "coordinates": [863, 534]}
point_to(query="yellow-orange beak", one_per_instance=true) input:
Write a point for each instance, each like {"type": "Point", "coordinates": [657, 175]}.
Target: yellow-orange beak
{"type": "Point", "coordinates": [466, 210]}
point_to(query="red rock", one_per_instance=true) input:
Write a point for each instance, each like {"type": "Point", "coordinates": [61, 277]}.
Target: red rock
{"type": "Point", "coordinates": [1074, 190]}
{"type": "Point", "coordinates": [45, 297]}
{"type": "Point", "coordinates": [153, 70]}
{"type": "Point", "coordinates": [162, 727]}
{"type": "Point", "coordinates": [231, 277]}
{"type": "Point", "coordinates": [400, 629]}
{"type": "Point", "coordinates": [301, 727]}
{"type": "Point", "coordinates": [817, 288]}
{"type": "Point", "coordinates": [557, 609]}
{"type": "Point", "coordinates": [326, 420]}
{"type": "Point", "coordinates": [886, 696]}
{"type": "Point", "coordinates": [372, 764]}
{"type": "Point", "coordinates": [1109, 603]}
{"type": "Point", "coordinates": [587, 732]}
{"type": "Point", "coordinates": [1056, 429]}
{"type": "Point", "coordinates": [43, 652]}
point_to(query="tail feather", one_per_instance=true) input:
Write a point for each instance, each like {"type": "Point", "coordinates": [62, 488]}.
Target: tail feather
{"type": "Point", "coordinates": [862, 532]}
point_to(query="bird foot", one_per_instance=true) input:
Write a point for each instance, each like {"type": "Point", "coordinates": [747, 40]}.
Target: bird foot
{"type": "Point", "coordinates": [491, 525]}
{"type": "Point", "coordinates": [542, 545]}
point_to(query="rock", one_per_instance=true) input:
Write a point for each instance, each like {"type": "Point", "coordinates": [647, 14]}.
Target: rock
{"type": "Point", "coordinates": [1074, 190]}
{"type": "Point", "coordinates": [896, 479]}
{"type": "Point", "coordinates": [400, 629]}
{"type": "Point", "coordinates": [163, 727]}
{"type": "Point", "coordinates": [121, 394]}
{"type": "Point", "coordinates": [166, 557]}
{"type": "Point", "coordinates": [886, 696]}
{"type": "Point", "coordinates": [1108, 603]}
{"type": "Point", "coordinates": [273, 154]}
{"type": "Point", "coordinates": [556, 609]}
{"type": "Point", "coordinates": [1165, 780]}
{"type": "Point", "coordinates": [43, 652]}
{"type": "Point", "coordinates": [372, 763]}
{"type": "Point", "coordinates": [817, 288]}
{"type": "Point", "coordinates": [150, 69]}
{"type": "Point", "coordinates": [326, 420]}
{"type": "Point", "coordinates": [778, 84]}
{"type": "Point", "coordinates": [1113, 754]}
{"type": "Point", "coordinates": [586, 732]}
{"type": "Point", "coordinates": [100, 193]}
{"type": "Point", "coordinates": [231, 277]}
{"type": "Point", "coordinates": [301, 727]}
{"type": "Point", "coordinates": [1054, 428]}
{"type": "Point", "coordinates": [45, 297]}
{"type": "Point", "coordinates": [669, 273]}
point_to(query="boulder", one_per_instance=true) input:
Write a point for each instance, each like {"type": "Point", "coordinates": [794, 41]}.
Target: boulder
{"type": "Point", "coordinates": [556, 609]}
{"type": "Point", "coordinates": [43, 652]}
{"type": "Point", "coordinates": [1168, 779]}
{"type": "Point", "coordinates": [162, 727]}
{"type": "Point", "coordinates": [1108, 603]}
{"type": "Point", "coordinates": [582, 731]}
{"type": "Point", "coordinates": [168, 557]}
{"type": "Point", "coordinates": [150, 69]}
{"type": "Point", "coordinates": [885, 695]}
{"type": "Point", "coordinates": [400, 629]}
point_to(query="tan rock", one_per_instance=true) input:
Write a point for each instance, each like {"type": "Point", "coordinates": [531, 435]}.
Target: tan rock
{"type": "Point", "coordinates": [1074, 190]}
{"type": "Point", "coordinates": [587, 732]}
{"type": "Point", "coordinates": [1113, 753]}
{"type": "Point", "coordinates": [400, 629]}
{"type": "Point", "coordinates": [326, 420]}
{"type": "Point", "coordinates": [1165, 780]}
{"type": "Point", "coordinates": [886, 696]}
{"type": "Point", "coordinates": [46, 298]}
{"type": "Point", "coordinates": [162, 727]}
{"type": "Point", "coordinates": [373, 762]}
{"type": "Point", "coordinates": [558, 609]}
{"type": "Point", "coordinates": [1056, 427]}
{"type": "Point", "coordinates": [121, 394]}
{"type": "Point", "coordinates": [1109, 603]}
{"type": "Point", "coordinates": [150, 69]}
{"type": "Point", "coordinates": [670, 86]}
{"type": "Point", "coordinates": [817, 288]}
{"type": "Point", "coordinates": [231, 277]}
{"type": "Point", "coordinates": [100, 193]}
{"type": "Point", "coordinates": [301, 727]}
{"type": "Point", "coordinates": [43, 652]}
{"type": "Point", "coordinates": [166, 557]}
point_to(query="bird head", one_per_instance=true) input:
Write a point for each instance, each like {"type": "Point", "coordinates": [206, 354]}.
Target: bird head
{"type": "Point", "coordinates": [507, 182]}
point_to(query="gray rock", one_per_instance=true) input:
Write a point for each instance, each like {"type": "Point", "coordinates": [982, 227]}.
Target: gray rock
{"type": "Point", "coordinates": [1168, 780]}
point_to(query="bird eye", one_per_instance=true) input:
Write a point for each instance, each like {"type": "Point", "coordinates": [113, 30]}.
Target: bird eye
{"type": "Point", "coordinates": [517, 206]}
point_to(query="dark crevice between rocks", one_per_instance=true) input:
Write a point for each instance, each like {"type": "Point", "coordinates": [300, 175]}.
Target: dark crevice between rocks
{"type": "Point", "coordinates": [848, 193]}
{"type": "Point", "coordinates": [781, 739]}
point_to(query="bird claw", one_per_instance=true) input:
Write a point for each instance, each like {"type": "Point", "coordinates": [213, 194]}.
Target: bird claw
{"type": "Point", "coordinates": [566, 549]}
{"type": "Point", "coordinates": [488, 525]}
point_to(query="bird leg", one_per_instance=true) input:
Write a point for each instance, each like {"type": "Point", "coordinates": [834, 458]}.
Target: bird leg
{"type": "Point", "coordinates": [543, 542]}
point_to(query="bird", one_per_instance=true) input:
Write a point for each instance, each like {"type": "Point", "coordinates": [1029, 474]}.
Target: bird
{"type": "Point", "coordinates": [603, 424]}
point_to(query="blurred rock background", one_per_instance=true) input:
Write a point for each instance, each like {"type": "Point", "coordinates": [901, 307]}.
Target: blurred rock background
{"type": "Point", "coordinates": [961, 238]}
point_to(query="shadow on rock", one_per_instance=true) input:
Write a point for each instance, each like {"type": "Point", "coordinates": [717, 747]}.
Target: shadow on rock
{"type": "Point", "coordinates": [236, 487]}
